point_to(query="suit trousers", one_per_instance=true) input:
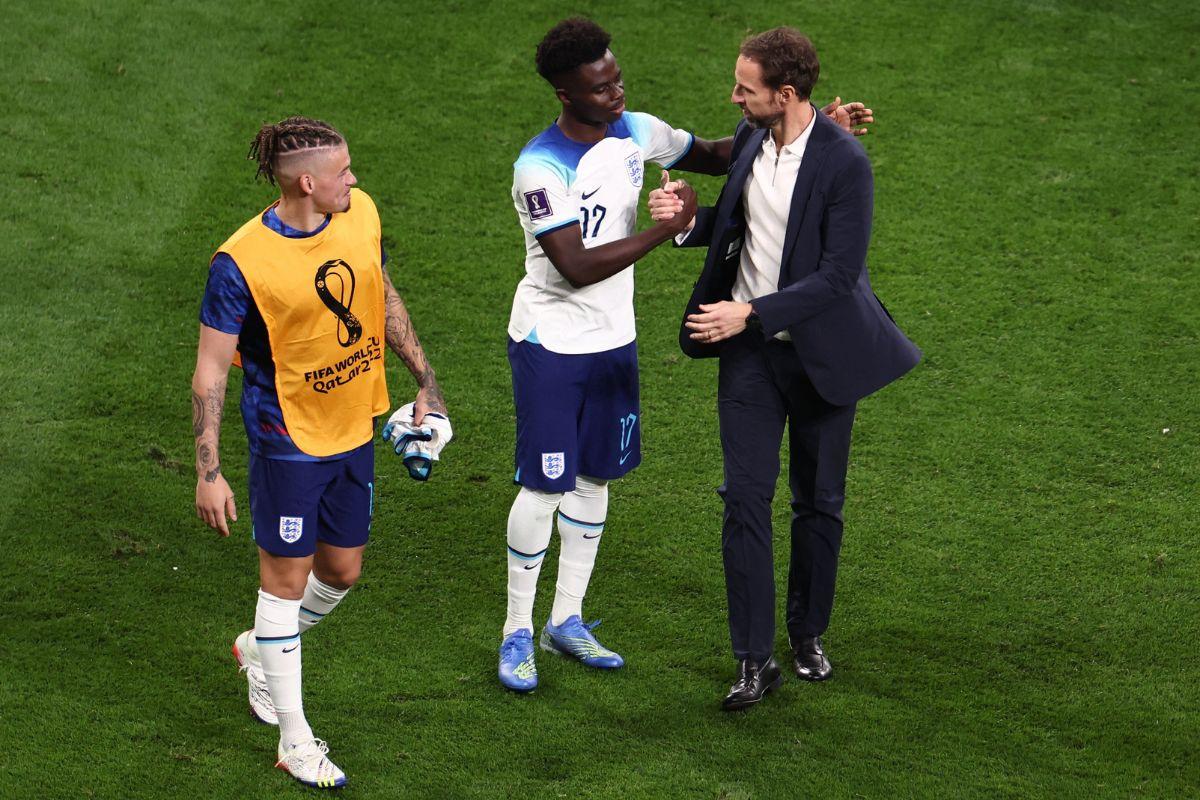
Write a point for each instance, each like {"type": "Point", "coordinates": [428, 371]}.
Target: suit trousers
{"type": "Point", "coordinates": [762, 386]}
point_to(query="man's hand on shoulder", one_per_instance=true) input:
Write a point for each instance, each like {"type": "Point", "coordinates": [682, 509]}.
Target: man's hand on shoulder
{"type": "Point", "coordinates": [850, 117]}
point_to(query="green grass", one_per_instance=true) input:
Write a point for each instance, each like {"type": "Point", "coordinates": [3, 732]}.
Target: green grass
{"type": "Point", "coordinates": [1019, 600]}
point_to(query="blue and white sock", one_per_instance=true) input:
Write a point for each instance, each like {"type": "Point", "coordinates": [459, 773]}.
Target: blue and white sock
{"type": "Point", "coordinates": [319, 599]}
{"type": "Point", "coordinates": [530, 523]}
{"type": "Point", "coordinates": [277, 634]}
{"type": "Point", "coordinates": [581, 516]}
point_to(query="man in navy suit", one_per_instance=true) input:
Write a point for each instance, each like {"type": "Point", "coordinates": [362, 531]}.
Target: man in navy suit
{"type": "Point", "coordinates": [785, 303]}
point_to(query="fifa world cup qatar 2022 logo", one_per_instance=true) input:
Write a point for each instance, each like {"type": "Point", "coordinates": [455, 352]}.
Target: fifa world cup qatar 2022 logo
{"type": "Point", "coordinates": [335, 287]}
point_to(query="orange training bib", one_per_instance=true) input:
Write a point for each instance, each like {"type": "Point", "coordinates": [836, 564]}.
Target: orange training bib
{"type": "Point", "coordinates": [321, 298]}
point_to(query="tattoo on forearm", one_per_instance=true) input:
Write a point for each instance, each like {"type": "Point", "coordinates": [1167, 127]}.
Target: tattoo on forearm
{"type": "Point", "coordinates": [206, 428]}
{"type": "Point", "coordinates": [197, 415]}
{"type": "Point", "coordinates": [402, 339]}
{"type": "Point", "coordinates": [397, 324]}
{"type": "Point", "coordinates": [206, 462]}
{"type": "Point", "coordinates": [216, 404]}
{"type": "Point", "coordinates": [398, 330]}
{"type": "Point", "coordinates": [433, 392]}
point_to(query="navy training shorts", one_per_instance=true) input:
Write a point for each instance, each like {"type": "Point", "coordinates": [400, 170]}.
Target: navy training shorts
{"type": "Point", "coordinates": [295, 504]}
{"type": "Point", "coordinates": [577, 414]}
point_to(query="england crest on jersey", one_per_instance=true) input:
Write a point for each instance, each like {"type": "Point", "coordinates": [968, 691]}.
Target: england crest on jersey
{"type": "Point", "coordinates": [553, 465]}
{"type": "Point", "coordinates": [635, 167]}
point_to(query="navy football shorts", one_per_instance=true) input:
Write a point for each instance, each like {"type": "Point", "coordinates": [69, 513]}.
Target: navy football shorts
{"type": "Point", "coordinates": [576, 415]}
{"type": "Point", "coordinates": [293, 504]}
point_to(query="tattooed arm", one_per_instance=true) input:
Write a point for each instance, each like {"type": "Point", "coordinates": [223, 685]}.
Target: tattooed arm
{"type": "Point", "coordinates": [403, 341]}
{"type": "Point", "coordinates": [214, 498]}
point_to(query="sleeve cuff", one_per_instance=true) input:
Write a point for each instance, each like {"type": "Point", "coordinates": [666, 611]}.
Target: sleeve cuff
{"type": "Point", "coordinates": [555, 226]}
{"type": "Point", "coordinates": [683, 155]}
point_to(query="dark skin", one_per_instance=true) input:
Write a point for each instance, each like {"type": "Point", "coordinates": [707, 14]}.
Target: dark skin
{"type": "Point", "coordinates": [583, 266]}
{"type": "Point", "coordinates": [593, 97]}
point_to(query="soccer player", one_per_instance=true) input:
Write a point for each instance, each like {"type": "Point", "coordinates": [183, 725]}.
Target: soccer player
{"type": "Point", "coordinates": [301, 293]}
{"type": "Point", "coordinates": [571, 333]}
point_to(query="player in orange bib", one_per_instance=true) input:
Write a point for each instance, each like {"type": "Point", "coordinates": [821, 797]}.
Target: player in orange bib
{"type": "Point", "coordinates": [300, 297]}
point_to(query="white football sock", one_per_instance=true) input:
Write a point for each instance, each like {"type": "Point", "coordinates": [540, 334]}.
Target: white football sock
{"type": "Point", "coordinates": [277, 633]}
{"type": "Point", "coordinates": [319, 599]}
{"type": "Point", "coordinates": [530, 523]}
{"type": "Point", "coordinates": [580, 523]}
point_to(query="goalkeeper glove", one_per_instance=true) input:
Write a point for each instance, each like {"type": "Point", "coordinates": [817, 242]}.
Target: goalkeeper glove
{"type": "Point", "coordinates": [418, 446]}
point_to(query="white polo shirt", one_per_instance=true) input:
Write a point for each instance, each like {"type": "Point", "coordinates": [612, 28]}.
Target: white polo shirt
{"type": "Point", "coordinates": [767, 202]}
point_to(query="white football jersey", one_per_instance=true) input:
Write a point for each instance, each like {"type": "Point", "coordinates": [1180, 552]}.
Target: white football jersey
{"type": "Point", "coordinates": [559, 182]}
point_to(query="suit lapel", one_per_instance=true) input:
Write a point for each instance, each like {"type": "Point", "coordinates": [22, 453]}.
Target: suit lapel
{"type": "Point", "coordinates": [739, 173]}
{"type": "Point", "coordinates": [810, 165]}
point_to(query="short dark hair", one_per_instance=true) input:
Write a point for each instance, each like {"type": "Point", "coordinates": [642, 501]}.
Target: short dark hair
{"type": "Point", "coordinates": [787, 58]}
{"type": "Point", "coordinates": [570, 44]}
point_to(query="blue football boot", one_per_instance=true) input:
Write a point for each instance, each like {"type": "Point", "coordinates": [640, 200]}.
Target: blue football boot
{"type": "Point", "coordinates": [517, 670]}
{"type": "Point", "coordinates": [573, 638]}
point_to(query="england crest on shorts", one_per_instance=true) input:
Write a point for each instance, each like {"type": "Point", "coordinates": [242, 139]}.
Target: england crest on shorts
{"type": "Point", "coordinates": [635, 167]}
{"type": "Point", "coordinates": [290, 528]}
{"type": "Point", "coordinates": [553, 465]}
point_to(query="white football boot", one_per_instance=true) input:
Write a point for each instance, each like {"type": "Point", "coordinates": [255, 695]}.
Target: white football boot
{"type": "Point", "coordinates": [307, 763]}
{"type": "Point", "coordinates": [245, 650]}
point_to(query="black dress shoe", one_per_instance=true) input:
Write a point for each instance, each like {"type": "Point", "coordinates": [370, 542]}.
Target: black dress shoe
{"type": "Point", "coordinates": [752, 682]}
{"type": "Point", "coordinates": [809, 660]}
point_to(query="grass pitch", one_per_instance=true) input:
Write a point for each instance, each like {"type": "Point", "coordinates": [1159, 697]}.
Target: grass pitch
{"type": "Point", "coordinates": [1018, 602]}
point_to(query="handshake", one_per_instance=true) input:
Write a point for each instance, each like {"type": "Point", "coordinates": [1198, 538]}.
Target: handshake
{"type": "Point", "coordinates": [421, 445]}
{"type": "Point", "coordinates": [673, 205]}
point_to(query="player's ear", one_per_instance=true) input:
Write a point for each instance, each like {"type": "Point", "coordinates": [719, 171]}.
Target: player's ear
{"type": "Point", "coordinates": [306, 184]}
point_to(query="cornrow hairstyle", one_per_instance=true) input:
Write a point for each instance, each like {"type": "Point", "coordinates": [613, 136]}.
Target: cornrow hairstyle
{"type": "Point", "coordinates": [289, 136]}
{"type": "Point", "coordinates": [570, 44]}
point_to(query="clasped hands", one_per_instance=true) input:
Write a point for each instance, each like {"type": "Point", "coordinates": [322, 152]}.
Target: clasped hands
{"type": "Point", "coordinates": [674, 205]}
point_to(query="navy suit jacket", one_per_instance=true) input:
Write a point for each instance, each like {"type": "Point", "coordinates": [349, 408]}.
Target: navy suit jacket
{"type": "Point", "coordinates": [845, 339]}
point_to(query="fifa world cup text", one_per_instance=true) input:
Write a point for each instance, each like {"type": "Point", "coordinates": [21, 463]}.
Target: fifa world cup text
{"type": "Point", "coordinates": [326, 379]}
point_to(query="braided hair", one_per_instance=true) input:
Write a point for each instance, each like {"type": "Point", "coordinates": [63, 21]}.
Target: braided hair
{"type": "Point", "coordinates": [289, 136]}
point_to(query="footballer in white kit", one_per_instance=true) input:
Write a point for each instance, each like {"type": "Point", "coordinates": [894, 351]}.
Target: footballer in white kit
{"type": "Point", "coordinates": [558, 182]}
{"type": "Point", "coordinates": [572, 349]}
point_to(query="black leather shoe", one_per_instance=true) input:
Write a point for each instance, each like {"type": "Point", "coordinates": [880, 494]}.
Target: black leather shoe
{"type": "Point", "coordinates": [809, 660]}
{"type": "Point", "coordinates": [752, 682]}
